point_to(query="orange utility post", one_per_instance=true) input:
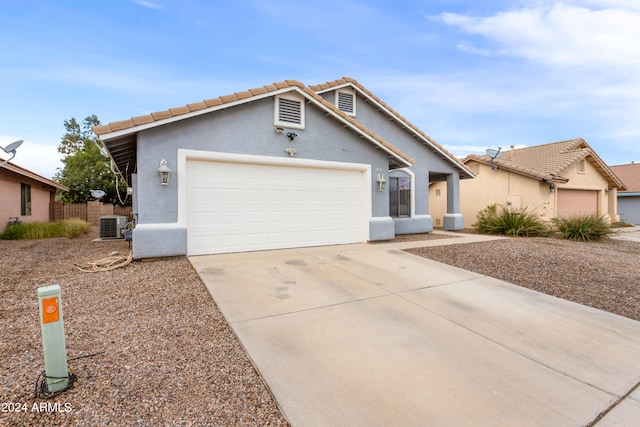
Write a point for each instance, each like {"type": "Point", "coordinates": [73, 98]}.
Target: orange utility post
{"type": "Point", "coordinates": [55, 351]}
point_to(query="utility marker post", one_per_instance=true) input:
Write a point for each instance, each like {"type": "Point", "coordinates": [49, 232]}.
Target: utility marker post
{"type": "Point", "coordinates": [52, 324]}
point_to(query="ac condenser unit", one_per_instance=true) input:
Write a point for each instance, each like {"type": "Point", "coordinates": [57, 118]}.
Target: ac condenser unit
{"type": "Point", "coordinates": [111, 226]}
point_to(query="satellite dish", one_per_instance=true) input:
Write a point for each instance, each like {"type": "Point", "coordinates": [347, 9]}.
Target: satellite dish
{"type": "Point", "coordinates": [13, 146]}
{"type": "Point", "coordinates": [11, 149]}
{"type": "Point", "coordinates": [97, 194]}
{"type": "Point", "coordinates": [494, 154]}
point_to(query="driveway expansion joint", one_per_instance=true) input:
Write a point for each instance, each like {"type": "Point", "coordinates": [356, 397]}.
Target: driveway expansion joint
{"type": "Point", "coordinates": [613, 405]}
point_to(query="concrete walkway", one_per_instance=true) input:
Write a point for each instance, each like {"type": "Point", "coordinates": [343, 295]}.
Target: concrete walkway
{"type": "Point", "coordinates": [368, 335]}
{"type": "Point", "coordinates": [627, 233]}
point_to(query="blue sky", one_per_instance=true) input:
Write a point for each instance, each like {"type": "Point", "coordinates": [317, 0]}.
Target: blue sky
{"type": "Point", "coordinates": [470, 74]}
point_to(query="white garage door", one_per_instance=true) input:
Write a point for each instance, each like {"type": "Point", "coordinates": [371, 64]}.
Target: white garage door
{"type": "Point", "coordinates": [577, 202]}
{"type": "Point", "coordinates": [235, 207]}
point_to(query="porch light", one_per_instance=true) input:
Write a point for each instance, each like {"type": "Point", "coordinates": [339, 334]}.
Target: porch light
{"type": "Point", "coordinates": [607, 191]}
{"type": "Point", "coordinates": [381, 181]}
{"type": "Point", "coordinates": [552, 188]}
{"type": "Point", "coordinates": [164, 172]}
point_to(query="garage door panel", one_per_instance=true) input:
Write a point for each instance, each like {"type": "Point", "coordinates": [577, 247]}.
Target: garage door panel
{"type": "Point", "coordinates": [236, 207]}
{"type": "Point", "coordinates": [577, 202]}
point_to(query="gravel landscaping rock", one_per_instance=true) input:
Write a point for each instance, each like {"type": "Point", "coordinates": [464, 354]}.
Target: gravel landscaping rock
{"type": "Point", "coordinates": [603, 274]}
{"type": "Point", "coordinates": [160, 351]}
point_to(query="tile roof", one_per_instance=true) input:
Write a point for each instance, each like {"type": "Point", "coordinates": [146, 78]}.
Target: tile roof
{"type": "Point", "coordinates": [191, 108]}
{"type": "Point", "coordinates": [27, 173]}
{"type": "Point", "coordinates": [344, 81]}
{"type": "Point", "coordinates": [630, 175]}
{"type": "Point", "coordinates": [135, 124]}
{"type": "Point", "coordinates": [548, 162]}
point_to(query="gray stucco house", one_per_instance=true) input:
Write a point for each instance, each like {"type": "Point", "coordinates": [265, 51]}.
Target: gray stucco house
{"type": "Point", "coordinates": [284, 165]}
{"type": "Point", "coordinates": [629, 200]}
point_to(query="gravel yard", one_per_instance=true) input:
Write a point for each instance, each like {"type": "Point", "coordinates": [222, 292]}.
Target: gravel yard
{"type": "Point", "coordinates": [166, 356]}
{"type": "Point", "coordinates": [603, 275]}
{"type": "Point", "coordinates": [162, 354]}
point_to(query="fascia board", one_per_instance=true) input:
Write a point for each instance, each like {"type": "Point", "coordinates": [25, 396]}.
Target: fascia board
{"type": "Point", "coordinates": [136, 129]}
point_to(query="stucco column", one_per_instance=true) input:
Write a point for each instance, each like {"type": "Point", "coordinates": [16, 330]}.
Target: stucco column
{"type": "Point", "coordinates": [612, 204]}
{"type": "Point", "coordinates": [453, 219]}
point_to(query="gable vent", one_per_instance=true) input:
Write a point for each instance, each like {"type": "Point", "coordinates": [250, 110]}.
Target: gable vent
{"type": "Point", "coordinates": [289, 111]}
{"type": "Point", "coordinates": [346, 103]}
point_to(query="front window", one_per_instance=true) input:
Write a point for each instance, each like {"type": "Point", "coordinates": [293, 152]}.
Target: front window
{"type": "Point", "coordinates": [25, 199]}
{"type": "Point", "coordinates": [399, 197]}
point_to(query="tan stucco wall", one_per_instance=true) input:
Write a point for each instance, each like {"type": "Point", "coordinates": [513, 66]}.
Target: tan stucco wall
{"type": "Point", "coordinates": [10, 200]}
{"type": "Point", "coordinates": [501, 186]}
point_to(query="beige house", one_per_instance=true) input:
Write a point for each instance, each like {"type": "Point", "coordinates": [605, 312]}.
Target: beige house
{"type": "Point", "coordinates": [560, 179]}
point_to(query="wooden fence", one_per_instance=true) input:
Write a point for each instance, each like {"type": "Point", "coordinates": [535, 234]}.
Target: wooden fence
{"type": "Point", "coordinates": [90, 212]}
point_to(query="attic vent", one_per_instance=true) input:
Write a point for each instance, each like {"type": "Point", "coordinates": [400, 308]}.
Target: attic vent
{"type": "Point", "coordinates": [289, 112]}
{"type": "Point", "coordinates": [346, 102]}
{"type": "Point", "coordinates": [581, 166]}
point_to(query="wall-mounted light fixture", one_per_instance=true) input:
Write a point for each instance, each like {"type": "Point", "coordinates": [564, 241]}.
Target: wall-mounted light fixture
{"type": "Point", "coordinates": [607, 191]}
{"type": "Point", "coordinates": [290, 151]}
{"type": "Point", "coordinates": [11, 149]}
{"type": "Point", "coordinates": [164, 172]}
{"type": "Point", "coordinates": [381, 181]}
{"type": "Point", "coordinates": [552, 187]}
{"type": "Point", "coordinates": [291, 135]}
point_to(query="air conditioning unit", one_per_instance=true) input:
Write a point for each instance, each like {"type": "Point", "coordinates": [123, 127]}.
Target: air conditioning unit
{"type": "Point", "coordinates": [111, 226]}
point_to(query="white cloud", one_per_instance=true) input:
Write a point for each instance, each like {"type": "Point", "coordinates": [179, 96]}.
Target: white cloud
{"type": "Point", "coordinates": [148, 4]}
{"type": "Point", "coordinates": [561, 33]}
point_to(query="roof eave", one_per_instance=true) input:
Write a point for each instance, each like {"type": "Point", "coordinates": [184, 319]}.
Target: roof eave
{"type": "Point", "coordinates": [303, 91]}
{"type": "Point", "coordinates": [426, 140]}
{"type": "Point", "coordinates": [138, 128]}
{"type": "Point", "coordinates": [32, 175]}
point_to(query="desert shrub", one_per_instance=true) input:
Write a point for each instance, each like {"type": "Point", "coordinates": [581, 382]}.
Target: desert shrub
{"type": "Point", "coordinates": [69, 228]}
{"type": "Point", "coordinates": [496, 219]}
{"type": "Point", "coordinates": [583, 227]}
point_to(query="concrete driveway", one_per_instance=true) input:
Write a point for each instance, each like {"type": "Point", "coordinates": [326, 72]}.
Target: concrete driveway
{"type": "Point", "coordinates": [368, 335]}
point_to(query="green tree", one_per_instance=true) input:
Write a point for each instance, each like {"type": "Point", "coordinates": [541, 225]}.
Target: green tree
{"type": "Point", "coordinates": [85, 167]}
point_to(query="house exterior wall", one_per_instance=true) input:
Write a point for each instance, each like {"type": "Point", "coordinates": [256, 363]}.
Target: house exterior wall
{"type": "Point", "coordinates": [41, 198]}
{"type": "Point", "coordinates": [244, 129]}
{"type": "Point", "coordinates": [510, 189]}
{"type": "Point", "coordinates": [629, 208]}
{"type": "Point", "coordinates": [426, 161]}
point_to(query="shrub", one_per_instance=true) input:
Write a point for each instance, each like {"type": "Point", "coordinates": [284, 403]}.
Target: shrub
{"type": "Point", "coordinates": [509, 222]}
{"type": "Point", "coordinates": [584, 227]}
{"type": "Point", "coordinates": [69, 228]}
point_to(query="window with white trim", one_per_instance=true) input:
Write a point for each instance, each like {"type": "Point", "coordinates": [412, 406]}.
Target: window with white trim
{"type": "Point", "coordinates": [289, 111]}
{"type": "Point", "coordinates": [346, 102]}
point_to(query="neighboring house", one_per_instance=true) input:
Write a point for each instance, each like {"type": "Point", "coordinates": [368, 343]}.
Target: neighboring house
{"type": "Point", "coordinates": [629, 200]}
{"type": "Point", "coordinates": [26, 195]}
{"type": "Point", "coordinates": [280, 166]}
{"type": "Point", "coordinates": [560, 179]}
